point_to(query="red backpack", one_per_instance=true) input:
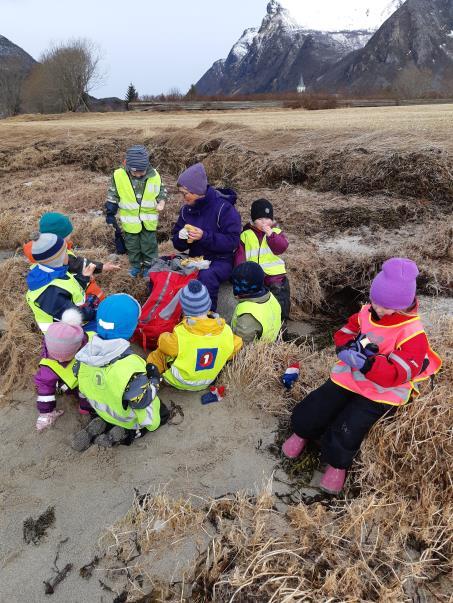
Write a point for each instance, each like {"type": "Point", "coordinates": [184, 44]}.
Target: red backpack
{"type": "Point", "coordinates": [164, 287]}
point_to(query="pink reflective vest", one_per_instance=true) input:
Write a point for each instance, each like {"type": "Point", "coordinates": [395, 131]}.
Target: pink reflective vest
{"type": "Point", "coordinates": [389, 339]}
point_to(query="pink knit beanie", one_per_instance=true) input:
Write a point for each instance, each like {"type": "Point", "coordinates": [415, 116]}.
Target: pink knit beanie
{"type": "Point", "coordinates": [64, 339]}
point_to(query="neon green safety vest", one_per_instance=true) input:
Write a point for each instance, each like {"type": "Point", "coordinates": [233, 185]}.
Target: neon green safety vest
{"type": "Point", "coordinates": [262, 254]}
{"type": "Point", "coordinates": [268, 314]}
{"type": "Point", "coordinates": [200, 358]}
{"type": "Point", "coordinates": [70, 284]}
{"type": "Point", "coordinates": [134, 215]}
{"type": "Point", "coordinates": [65, 373]}
{"type": "Point", "coordinates": [104, 388]}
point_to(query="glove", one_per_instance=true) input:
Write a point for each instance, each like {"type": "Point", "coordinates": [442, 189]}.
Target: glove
{"type": "Point", "coordinates": [369, 348]}
{"type": "Point", "coordinates": [215, 394]}
{"type": "Point", "coordinates": [92, 301]}
{"type": "Point", "coordinates": [153, 374]}
{"type": "Point", "coordinates": [353, 358]}
{"type": "Point", "coordinates": [291, 375]}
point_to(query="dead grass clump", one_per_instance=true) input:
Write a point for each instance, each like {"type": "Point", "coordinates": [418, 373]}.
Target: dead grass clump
{"type": "Point", "coordinates": [19, 339]}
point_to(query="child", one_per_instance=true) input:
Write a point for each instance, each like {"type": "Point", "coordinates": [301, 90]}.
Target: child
{"type": "Point", "coordinates": [383, 351]}
{"type": "Point", "coordinates": [263, 243]}
{"type": "Point", "coordinates": [51, 288]}
{"type": "Point", "coordinates": [61, 225]}
{"type": "Point", "coordinates": [62, 341]}
{"type": "Point", "coordinates": [199, 346]}
{"type": "Point", "coordinates": [118, 384]}
{"type": "Point", "coordinates": [139, 195]}
{"type": "Point", "coordinates": [258, 314]}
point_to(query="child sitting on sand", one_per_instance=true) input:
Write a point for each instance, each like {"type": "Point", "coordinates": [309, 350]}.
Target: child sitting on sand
{"type": "Point", "coordinates": [258, 314]}
{"type": "Point", "coordinates": [193, 355]}
{"type": "Point", "coordinates": [119, 385]}
{"type": "Point", "coordinates": [383, 351]}
{"type": "Point", "coordinates": [52, 289]}
{"type": "Point", "coordinates": [62, 341]}
{"type": "Point", "coordinates": [262, 242]}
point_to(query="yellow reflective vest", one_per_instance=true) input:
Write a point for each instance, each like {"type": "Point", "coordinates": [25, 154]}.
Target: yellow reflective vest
{"type": "Point", "coordinates": [272, 264]}
{"type": "Point", "coordinates": [135, 215]}
{"type": "Point", "coordinates": [268, 314]}
{"type": "Point", "coordinates": [200, 358]}
{"type": "Point", "coordinates": [104, 388]}
{"type": "Point", "coordinates": [70, 284]}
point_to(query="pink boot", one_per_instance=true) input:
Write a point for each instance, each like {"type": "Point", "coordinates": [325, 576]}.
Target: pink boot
{"type": "Point", "coordinates": [47, 419]}
{"type": "Point", "coordinates": [293, 446]}
{"type": "Point", "coordinates": [333, 480]}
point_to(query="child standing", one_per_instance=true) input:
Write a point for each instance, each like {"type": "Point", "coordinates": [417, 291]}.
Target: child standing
{"type": "Point", "coordinates": [383, 351]}
{"type": "Point", "coordinates": [62, 341]}
{"type": "Point", "coordinates": [258, 314]}
{"type": "Point", "coordinates": [51, 288]}
{"type": "Point", "coordinates": [262, 242]}
{"type": "Point", "coordinates": [118, 384]}
{"type": "Point", "coordinates": [193, 355]}
{"type": "Point", "coordinates": [137, 193]}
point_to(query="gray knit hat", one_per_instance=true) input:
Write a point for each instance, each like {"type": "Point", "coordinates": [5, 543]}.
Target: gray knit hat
{"type": "Point", "coordinates": [195, 300]}
{"type": "Point", "coordinates": [49, 250]}
{"type": "Point", "coordinates": [137, 158]}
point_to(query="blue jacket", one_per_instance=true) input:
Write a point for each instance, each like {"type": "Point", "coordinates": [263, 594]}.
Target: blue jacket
{"type": "Point", "coordinates": [53, 299]}
{"type": "Point", "coordinates": [220, 221]}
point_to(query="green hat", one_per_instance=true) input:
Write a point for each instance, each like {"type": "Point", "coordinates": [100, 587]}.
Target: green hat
{"type": "Point", "coordinates": [55, 223]}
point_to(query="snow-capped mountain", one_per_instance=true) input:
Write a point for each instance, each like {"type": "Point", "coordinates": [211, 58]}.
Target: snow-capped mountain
{"type": "Point", "coordinates": [411, 53]}
{"type": "Point", "coordinates": [279, 55]}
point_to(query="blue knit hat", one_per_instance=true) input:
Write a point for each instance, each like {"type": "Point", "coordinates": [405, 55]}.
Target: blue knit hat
{"type": "Point", "coordinates": [117, 316]}
{"type": "Point", "coordinates": [49, 250]}
{"type": "Point", "coordinates": [194, 179]}
{"type": "Point", "coordinates": [195, 300]}
{"type": "Point", "coordinates": [248, 280]}
{"type": "Point", "coordinates": [56, 223]}
{"type": "Point", "coordinates": [137, 158]}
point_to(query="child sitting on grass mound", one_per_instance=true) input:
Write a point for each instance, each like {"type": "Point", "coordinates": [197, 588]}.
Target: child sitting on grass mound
{"type": "Point", "coordinates": [62, 341]}
{"type": "Point", "coordinates": [52, 289]}
{"type": "Point", "coordinates": [193, 355]}
{"type": "Point", "coordinates": [118, 384]}
{"type": "Point", "coordinates": [61, 225]}
{"type": "Point", "coordinates": [258, 314]}
{"type": "Point", "coordinates": [383, 351]}
{"type": "Point", "coordinates": [262, 242]}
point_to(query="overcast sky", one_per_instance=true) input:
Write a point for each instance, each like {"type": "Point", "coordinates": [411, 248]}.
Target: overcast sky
{"type": "Point", "coordinates": [160, 44]}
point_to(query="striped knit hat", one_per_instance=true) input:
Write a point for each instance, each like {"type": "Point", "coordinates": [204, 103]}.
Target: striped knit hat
{"type": "Point", "coordinates": [49, 250]}
{"type": "Point", "coordinates": [137, 158]}
{"type": "Point", "coordinates": [195, 300]}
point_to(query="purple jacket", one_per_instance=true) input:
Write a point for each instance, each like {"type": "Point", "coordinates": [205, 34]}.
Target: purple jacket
{"type": "Point", "coordinates": [46, 382]}
{"type": "Point", "coordinates": [278, 244]}
{"type": "Point", "coordinates": [216, 215]}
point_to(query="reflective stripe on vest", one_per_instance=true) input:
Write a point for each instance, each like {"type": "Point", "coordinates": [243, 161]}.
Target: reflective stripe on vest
{"type": "Point", "coordinates": [268, 314]}
{"type": "Point", "coordinates": [64, 373]}
{"type": "Point", "coordinates": [136, 215]}
{"type": "Point", "coordinates": [272, 264]}
{"type": "Point", "coordinates": [104, 389]}
{"type": "Point", "coordinates": [389, 339]}
{"type": "Point", "coordinates": [200, 358]}
{"type": "Point", "coordinates": [71, 285]}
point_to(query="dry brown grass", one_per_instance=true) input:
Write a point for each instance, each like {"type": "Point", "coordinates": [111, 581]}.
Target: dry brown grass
{"type": "Point", "coordinates": [389, 539]}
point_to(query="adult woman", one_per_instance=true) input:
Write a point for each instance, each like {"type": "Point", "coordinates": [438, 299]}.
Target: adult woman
{"type": "Point", "coordinates": [208, 225]}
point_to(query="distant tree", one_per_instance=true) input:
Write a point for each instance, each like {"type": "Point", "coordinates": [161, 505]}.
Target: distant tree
{"type": "Point", "coordinates": [192, 93]}
{"type": "Point", "coordinates": [131, 94]}
{"type": "Point", "coordinates": [67, 73]}
{"type": "Point", "coordinates": [174, 94]}
{"type": "Point", "coordinates": [12, 76]}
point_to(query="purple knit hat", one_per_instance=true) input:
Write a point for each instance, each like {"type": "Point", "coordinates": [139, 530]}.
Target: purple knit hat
{"type": "Point", "coordinates": [194, 179]}
{"type": "Point", "coordinates": [64, 339]}
{"type": "Point", "coordinates": [395, 286]}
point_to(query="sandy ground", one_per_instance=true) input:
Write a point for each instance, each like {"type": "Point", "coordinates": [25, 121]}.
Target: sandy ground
{"type": "Point", "coordinates": [216, 449]}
